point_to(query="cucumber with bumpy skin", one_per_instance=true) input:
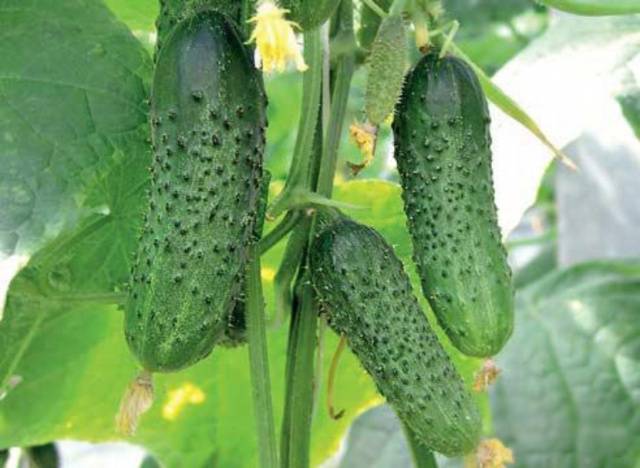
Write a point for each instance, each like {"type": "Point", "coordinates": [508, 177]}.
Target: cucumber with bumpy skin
{"type": "Point", "coordinates": [362, 286]}
{"type": "Point", "coordinates": [208, 132]}
{"type": "Point", "coordinates": [442, 147]}
{"type": "Point", "coordinates": [386, 69]}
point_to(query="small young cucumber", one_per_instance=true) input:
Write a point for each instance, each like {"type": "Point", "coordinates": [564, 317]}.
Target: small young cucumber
{"type": "Point", "coordinates": [387, 64]}
{"type": "Point", "coordinates": [363, 288]}
{"type": "Point", "coordinates": [442, 148]}
{"type": "Point", "coordinates": [309, 14]}
{"type": "Point", "coordinates": [208, 132]}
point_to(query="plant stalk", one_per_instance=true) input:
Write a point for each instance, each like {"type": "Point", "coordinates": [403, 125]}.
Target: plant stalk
{"type": "Point", "coordinates": [259, 363]}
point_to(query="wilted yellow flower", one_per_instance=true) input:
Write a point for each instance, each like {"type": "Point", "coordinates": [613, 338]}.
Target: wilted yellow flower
{"type": "Point", "coordinates": [491, 453]}
{"type": "Point", "coordinates": [137, 400]}
{"type": "Point", "coordinates": [275, 38]}
{"type": "Point", "coordinates": [486, 376]}
{"type": "Point", "coordinates": [364, 136]}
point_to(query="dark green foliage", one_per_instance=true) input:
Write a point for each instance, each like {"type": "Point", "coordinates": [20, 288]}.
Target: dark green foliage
{"type": "Point", "coordinates": [442, 147]}
{"type": "Point", "coordinates": [309, 14]}
{"type": "Point", "coordinates": [208, 129]}
{"type": "Point", "coordinates": [363, 287]}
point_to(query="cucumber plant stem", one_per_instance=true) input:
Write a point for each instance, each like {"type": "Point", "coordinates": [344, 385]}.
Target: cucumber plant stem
{"type": "Point", "coordinates": [421, 455]}
{"type": "Point", "coordinates": [259, 362]}
{"type": "Point", "coordinates": [373, 6]}
{"type": "Point", "coordinates": [296, 436]}
{"type": "Point", "coordinates": [296, 426]}
{"type": "Point", "coordinates": [277, 233]}
{"type": "Point", "coordinates": [311, 90]}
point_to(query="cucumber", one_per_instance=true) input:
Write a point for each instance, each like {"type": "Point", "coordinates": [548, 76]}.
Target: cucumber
{"type": "Point", "coordinates": [309, 14]}
{"type": "Point", "coordinates": [370, 22]}
{"type": "Point", "coordinates": [363, 288]}
{"type": "Point", "coordinates": [387, 63]}
{"type": "Point", "coordinates": [208, 132]}
{"type": "Point", "coordinates": [443, 154]}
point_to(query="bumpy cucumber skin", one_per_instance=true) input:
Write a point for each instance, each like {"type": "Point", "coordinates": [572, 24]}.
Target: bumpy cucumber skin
{"type": "Point", "coordinates": [386, 69]}
{"type": "Point", "coordinates": [442, 149]}
{"type": "Point", "coordinates": [362, 285]}
{"type": "Point", "coordinates": [309, 14]}
{"type": "Point", "coordinates": [370, 22]}
{"type": "Point", "coordinates": [208, 132]}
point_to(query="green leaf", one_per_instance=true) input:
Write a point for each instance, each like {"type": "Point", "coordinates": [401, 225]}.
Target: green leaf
{"type": "Point", "coordinates": [139, 15]}
{"type": "Point", "coordinates": [574, 58]}
{"type": "Point", "coordinates": [569, 393]}
{"type": "Point", "coordinates": [73, 123]}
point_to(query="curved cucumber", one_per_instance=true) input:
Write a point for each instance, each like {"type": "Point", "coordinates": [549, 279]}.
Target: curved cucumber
{"type": "Point", "coordinates": [368, 297]}
{"type": "Point", "coordinates": [442, 147]}
{"type": "Point", "coordinates": [208, 129]}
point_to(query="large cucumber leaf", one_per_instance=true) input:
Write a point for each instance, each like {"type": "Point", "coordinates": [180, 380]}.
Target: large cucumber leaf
{"type": "Point", "coordinates": [569, 394]}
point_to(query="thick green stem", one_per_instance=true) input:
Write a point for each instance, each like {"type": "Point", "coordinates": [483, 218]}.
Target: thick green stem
{"type": "Point", "coordinates": [259, 361]}
{"type": "Point", "coordinates": [302, 154]}
{"type": "Point", "coordinates": [343, 74]}
{"type": "Point", "coordinates": [296, 424]}
{"type": "Point", "coordinates": [277, 233]}
{"type": "Point", "coordinates": [421, 455]}
{"type": "Point", "coordinates": [288, 268]}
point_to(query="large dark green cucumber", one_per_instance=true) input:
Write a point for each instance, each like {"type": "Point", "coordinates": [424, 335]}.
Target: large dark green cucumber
{"type": "Point", "coordinates": [442, 147]}
{"type": "Point", "coordinates": [363, 287]}
{"type": "Point", "coordinates": [309, 14]}
{"type": "Point", "coordinates": [208, 129]}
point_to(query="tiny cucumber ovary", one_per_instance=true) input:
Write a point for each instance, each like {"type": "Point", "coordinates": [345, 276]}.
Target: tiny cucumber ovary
{"type": "Point", "coordinates": [368, 297]}
{"type": "Point", "coordinates": [442, 147]}
{"type": "Point", "coordinates": [208, 132]}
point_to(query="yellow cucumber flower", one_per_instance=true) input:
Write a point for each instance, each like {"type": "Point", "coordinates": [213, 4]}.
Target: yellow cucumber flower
{"type": "Point", "coordinates": [364, 136]}
{"type": "Point", "coordinates": [275, 38]}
